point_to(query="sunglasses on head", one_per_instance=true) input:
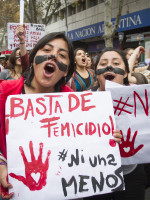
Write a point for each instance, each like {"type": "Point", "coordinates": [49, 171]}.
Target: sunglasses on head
{"type": "Point", "coordinates": [17, 57]}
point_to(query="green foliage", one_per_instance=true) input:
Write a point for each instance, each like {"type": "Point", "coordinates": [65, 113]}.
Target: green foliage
{"type": "Point", "coordinates": [9, 12]}
{"type": "Point", "coordinates": [76, 3]}
{"type": "Point", "coordinates": [36, 11]}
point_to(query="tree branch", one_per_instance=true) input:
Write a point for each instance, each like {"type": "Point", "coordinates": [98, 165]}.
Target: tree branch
{"type": "Point", "coordinates": [47, 11]}
{"type": "Point", "coordinates": [107, 18]}
{"type": "Point", "coordinates": [118, 17]}
{"type": "Point", "coordinates": [53, 11]}
{"type": "Point", "coordinates": [34, 11]}
{"type": "Point", "coordinates": [4, 32]}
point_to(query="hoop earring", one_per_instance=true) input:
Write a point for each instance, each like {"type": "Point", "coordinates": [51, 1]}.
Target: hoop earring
{"type": "Point", "coordinates": [31, 67]}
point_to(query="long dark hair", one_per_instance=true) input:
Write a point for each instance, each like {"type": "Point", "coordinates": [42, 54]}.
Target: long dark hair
{"type": "Point", "coordinates": [41, 43]}
{"type": "Point", "coordinates": [122, 54]}
{"type": "Point", "coordinates": [12, 60]}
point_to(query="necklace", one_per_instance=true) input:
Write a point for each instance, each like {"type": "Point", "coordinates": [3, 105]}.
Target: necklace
{"type": "Point", "coordinates": [18, 76]}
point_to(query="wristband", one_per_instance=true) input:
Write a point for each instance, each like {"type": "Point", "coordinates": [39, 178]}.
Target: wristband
{"type": "Point", "coordinates": [22, 43]}
{"type": "Point", "coordinates": [2, 163]}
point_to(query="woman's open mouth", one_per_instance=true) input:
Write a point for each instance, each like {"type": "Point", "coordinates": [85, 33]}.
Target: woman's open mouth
{"type": "Point", "coordinates": [49, 69]}
{"type": "Point", "coordinates": [83, 60]}
{"type": "Point", "coordinates": [109, 77]}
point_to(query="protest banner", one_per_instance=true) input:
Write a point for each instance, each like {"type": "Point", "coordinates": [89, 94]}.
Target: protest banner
{"type": "Point", "coordinates": [131, 109]}
{"type": "Point", "coordinates": [60, 145]}
{"type": "Point", "coordinates": [34, 32]}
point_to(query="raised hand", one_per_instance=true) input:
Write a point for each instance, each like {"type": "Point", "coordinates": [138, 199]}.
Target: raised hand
{"type": "Point", "coordinates": [127, 147]}
{"type": "Point", "coordinates": [139, 50]}
{"type": "Point", "coordinates": [20, 32]}
{"type": "Point", "coordinates": [34, 168]}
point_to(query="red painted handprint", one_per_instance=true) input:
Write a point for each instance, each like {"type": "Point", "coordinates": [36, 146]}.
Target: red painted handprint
{"type": "Point", "coordinates": [34, 168]}
{"type": "Point", "coordinates": [127, 147]}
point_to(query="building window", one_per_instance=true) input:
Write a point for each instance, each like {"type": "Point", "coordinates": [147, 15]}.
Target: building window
{"type": "Point", "coordinates": [92, 3]}
{"type": "Point", "coordinates": [62, 14]}
{"type": "Point", "coordinates": [71, 9]}
{"type": "Point", "coordinates": [56, 17]}
{"type": "Point", "coordinates": [51, 20]}
{"type": "Point", "coordinates": [81, 5]}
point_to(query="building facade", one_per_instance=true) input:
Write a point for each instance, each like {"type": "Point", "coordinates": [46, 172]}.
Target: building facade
{"type": "Point", "coordinates": [83, 22]}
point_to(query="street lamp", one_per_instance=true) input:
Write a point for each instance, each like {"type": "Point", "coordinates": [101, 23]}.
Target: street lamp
{"type": "Point", "coordinates": [121, 37]}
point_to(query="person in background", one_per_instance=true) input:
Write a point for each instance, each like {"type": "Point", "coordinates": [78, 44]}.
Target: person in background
{"type": "Point", "coordinates": [128, 52]}
{"type": "Point", "coordinates": [15, 69]}
{"type": "Point", "coordinates": [18, 61]}
{"type": "Point", "coordinates": [90, 64]}
{"type": "Point", "coordinates": [83, 78]}
{"type": "Point", "coordinates": [6, 63]}
{"type": "Point", "coordinates": [133, 56]}
{"type": "Point", "coordinates": [144, 69]}
{"type": "Point", "coordinates": [112, 65]}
